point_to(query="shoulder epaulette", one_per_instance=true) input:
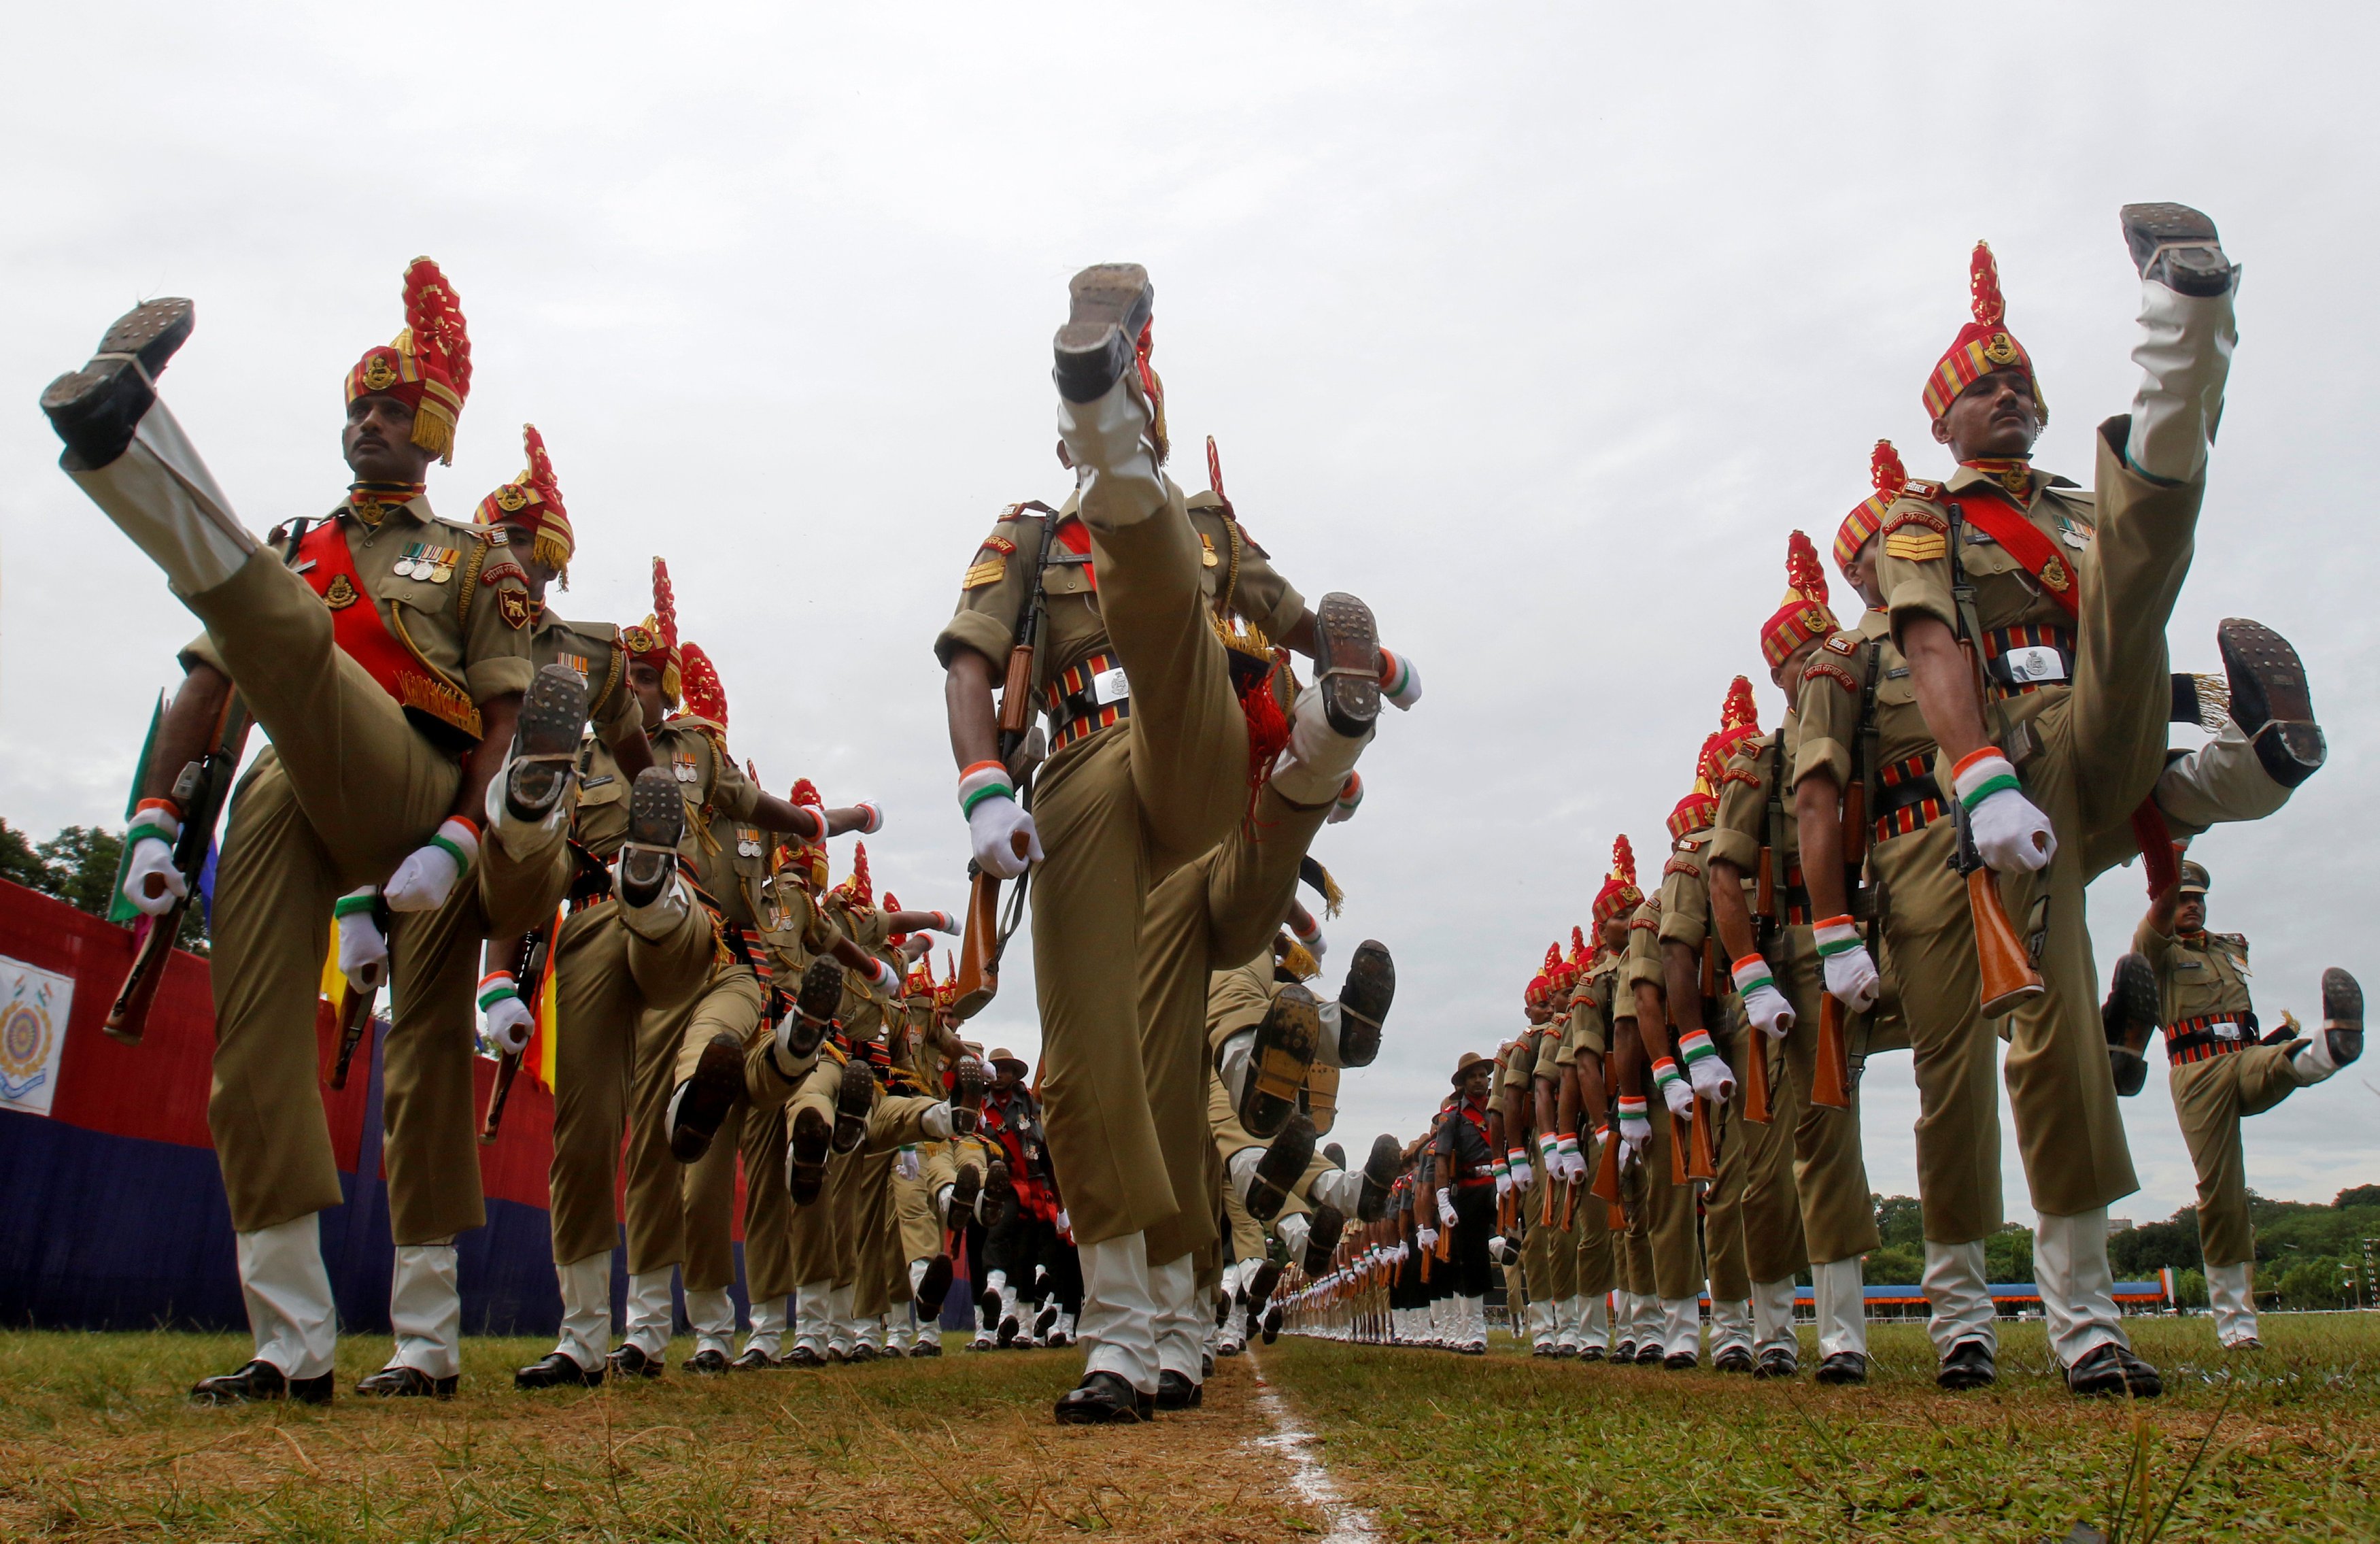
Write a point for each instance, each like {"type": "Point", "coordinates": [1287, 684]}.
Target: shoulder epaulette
{"type": "Point", "coordinates": [1844, 643]}
{"type": "Point", "coordinates": [1921, 488]}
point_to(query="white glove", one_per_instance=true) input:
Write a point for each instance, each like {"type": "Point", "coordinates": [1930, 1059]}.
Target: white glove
{"type": "Point", "coordinates": [1676, 1092]}
{"type": "Point", "coordinates": [1405, 1251]}
{"type": "Point", "coordinates": [1425, 1237]}
{"type": "Point", "coordinates": [1709, 1073]}
{"type": "Point", "coordinates": [153, 854]}
{"type": "Point", "coordinates": [1504, 1183]}
{"type": "Point", "coordinates": [1445, 1208]}
{"type": "Point", "coordinates": [363, 948]}
{"type": "Point", "coordinates": [944, 922]}
{"type": "Point", "coordinates": [885, 979]}
{"type": "Point", "coordinates": [1065, 1223]}
{"type": "Point", "coordinates": [1763, 1004]}
{"type": "Point", "coordinates": [1523, 1175]}
{"type": "Point", "coordinates": [1400, 682]}
{"type": "Point", "coordinates": [993, 828]}
{"type": "Point", "coordinates": [1568, 1165]}
{"type": "Point", "coordinates": [423, 880]}
{"type": "Point", "coordinates": [507, 1018]}
{"type": "Point", "coordinates": [906, 1164]}
{"type": "Point", "coordinates": [1851, 974]}
{"type": "Point", "coordinates": [872, 818]}
{"type": "Point", "coordinates": [2011, 835]}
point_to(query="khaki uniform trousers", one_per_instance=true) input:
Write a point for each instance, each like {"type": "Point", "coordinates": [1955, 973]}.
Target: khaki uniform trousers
{"type": "Point", "coordinates": [1929, 941]}
{"type": "Point", "coordinates": [348, 789]}
{"type": "Point", "coordinates": [1247, 1234]}
{"type": "Point", "coordinates": [618, 995]}
{"type": "Point", "coordinates": [1214, 912]}
{"type": "Point", "coordinates": [1635, 1246]}
{"type": "Point", "coordinates": [732, 1002]}
{"type": "Point", "coordinates": [1550, 1256]}
{"type": "Point", "coordinates": [707, 1198]}
{"type": "Point", "coordinates": [1829, 1165]}
{"type": "Point", "coordinates": [1117, 812]}
{"type": "Point", "coordinates": [1595, 1261]}
{"type": "Point", "coordinates": [2211, 1097]}
{"type": "Point", "coordinates": [1752, 1218]}
{"type": "Point", "coordinates": [913, 1199]}
{"type": "Point", "coordinates": [768, 1209]}
{"type": "Point", "coordinates": [2103, 746]}
{"type": "Point", "coordinates": [880, 1263]}
{"type": "Point", "coordinates": [1671, 1234]}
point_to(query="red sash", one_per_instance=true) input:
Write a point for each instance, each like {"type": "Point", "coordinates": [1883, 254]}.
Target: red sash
{"type": "Point", "coordinates": [330, 568]}
{"type": "Point", "coordinates": [1076, 537]}
{"type": "Point", "coordinates": [2005, 524]}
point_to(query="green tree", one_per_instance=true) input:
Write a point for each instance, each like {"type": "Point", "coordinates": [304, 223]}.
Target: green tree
{"type": "Point", "coordinates": [2139, 1253]}
{"type": "Point", "coordinates": [1900, 1220]}
{"type": "Point", "coordinates": [1895, 1265]}
{"type": "Point", "coordinates": [2190, 1288]}
{"type": "Point", "coordinates": [2008, 1254]}
{"type": "Point", "coordinates": [82, 862]}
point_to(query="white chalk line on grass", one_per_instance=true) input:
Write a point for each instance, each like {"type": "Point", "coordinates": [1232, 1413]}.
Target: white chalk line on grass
{"type": "Point", "coordinates": [1348, 1523]}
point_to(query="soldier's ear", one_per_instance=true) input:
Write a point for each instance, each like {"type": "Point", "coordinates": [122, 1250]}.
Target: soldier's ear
{"type": "Point", "coordinates": [1942, 431]}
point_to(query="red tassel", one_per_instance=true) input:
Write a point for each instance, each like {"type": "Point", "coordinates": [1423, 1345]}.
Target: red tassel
{"type": "Point", "coordinates": [2155, 841]}
{"type": "Point", "coordinates": [1267, 729]}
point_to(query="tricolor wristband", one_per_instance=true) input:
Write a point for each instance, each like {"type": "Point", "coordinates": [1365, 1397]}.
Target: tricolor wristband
{"type": "Point", "coordinates": [460, 838]}
{"type": "Point", "coordinates": [1836, 935]}
{"type": "Point", "coordinates": [1633, 1108]}
{"type": "Point", "coordinates": [360, 901]}
{"type": "Point", "coordinates": [1981, 774]}
{"type": "Point", "coordinates": [1751, 974]}
{"type": "Point", "coordinates": [1567, 1142]}
{"type": "Point", "coordinates": [158, 818]}
{"type": "Point", "coordinates": [494, 988]}
{"type": "Point", "coordinates": [1665, 1072]}
{"type": "Point", "coordinates": [1696, 1046]}
{"type": "Point", "coordinates": [1546, 1146]}
{"type": "Point", "coordinates": [1351, 793]}
{"type": "Point", "coordinates": [983, 781]}
{"type": "Point", "coordinates": [1518, 1157]}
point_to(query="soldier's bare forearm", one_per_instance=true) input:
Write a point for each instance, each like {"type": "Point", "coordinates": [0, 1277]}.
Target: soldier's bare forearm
{"type": "Point", "coordinates": [1944, 685]}
{"type": "Point", "coordinates": [188, 730]}
{"type": "Point", "coordinates": [1628, 1060]}
{"type": "Point", "coordinates": [1566, 1105]}
{"type": "Point", "coordinates": [634, 752]}
{"type": "Point", "coordinates": [966, 699]}
{"type": "Point", "coordinates": [1730, 918]}
{"type": "Point", "coordinates": [1587, 1093]}
{"type": "Point", "coordinates": [1549, 1121]}
{"type": "Point", "coordinates": [1681, 967]}
{"type": "Point", "coordinates": [498, 716]}
{"type": "Point", "coordinates": [1652, 1021]}
{"type": "Point", "coordinates": [1817, 818]}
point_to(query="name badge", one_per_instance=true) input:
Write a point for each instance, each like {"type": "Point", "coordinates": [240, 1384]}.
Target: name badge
{"type": "Point", "coordinates": [2034, 662]}
{"type": "Point", "coordinates": [1109, 686]}
{"type": "Point", "coordinates": [2224, 1029]}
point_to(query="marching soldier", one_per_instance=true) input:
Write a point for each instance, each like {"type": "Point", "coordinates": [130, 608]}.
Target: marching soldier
{"type": "Point", "coordinates": [388, 719]}
{"type": "Point", "coordinates": [2063, 599]}
{"type": "Point", "coordinates": [1781, 961]}
{"type": "Point", "coordinates": [1584, 1058]}
{"type": "Point", "coordinates": [2194, 985]}
{"type": "Point", "coordinates": [1149, 767]}
{"type": "Point", "coordinates": [1465, 1199]}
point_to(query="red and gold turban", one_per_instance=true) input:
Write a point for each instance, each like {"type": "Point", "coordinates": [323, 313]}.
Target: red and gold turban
{"type": "Point", "coordinates": [705, 696]}
{"type": "Point", "coordinates": [1802, 614]}
{"type": "Point", "coordinates": [1542, 982]}
{"type": "Point", "coordinates": [1889, 477]}
{"type": "Point", "coordinates": [857, 893]}
{"type": "Point", "coordinates": [428, 367]}
{"type": "Point", "coordinates": [1619, 893]}
{"type": "Point", "coordinates": [1983, 346]}
{"type": "Point", "coordinates": [810, 856]}
{"type": "Point", "coordinates": [534, 500]}
{"type": "Point", "coordinates": [655, 642]}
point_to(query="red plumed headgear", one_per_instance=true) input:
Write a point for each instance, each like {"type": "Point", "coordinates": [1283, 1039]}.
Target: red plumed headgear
{"type": "Point", "coordinates": [655, 643]}
{"type": "Point", "coordinates": [1700, 808]}
{"type": "Point", "coordinates": [810, 855]}
{"type": "Point", "coordinates": [1983, 346]}
{"type": "Point", "coordinates": [533, 500]}
{"type": "Point", "coordinates": [1803, 615]}
{"type": "Point", "coordinates": [1618, 891]}
{"type": "Point", "coordinates": [1889, 477]}
{"type": "Point", "coordinates": [857, 891]}
{"type": "Point", "coordinates": [1542, 982]}
{"type": "Point", "coordinates": [706, 697]}
{"type": "Point", "coordinates": [428, 367]}
{"type": "Point", "coordinates": [1579, 952]}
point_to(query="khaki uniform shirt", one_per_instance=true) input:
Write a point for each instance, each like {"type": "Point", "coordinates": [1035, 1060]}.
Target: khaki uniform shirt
{"type": "Point", "coordinates": [693, 751]}
{"type": "Point", "coordinates": [1685, 901]}
{"type": "Point", "coordinates": [1828, 710]}
{"type": "Point", "coordinates": [1238, 577]}
{"type": "Point", "coordinates": [1590, 1008]}
{"type": "Point", "coordinates": [1913, 564]}
{"type": "Point", "coordinates": [2202, 977]}
{"type": "Point", "coordinates": [1644, 961]}
{"type": "Point", "coordinates": [461, 607]}
{"type": "Point", "coordinates": [1740, 833]}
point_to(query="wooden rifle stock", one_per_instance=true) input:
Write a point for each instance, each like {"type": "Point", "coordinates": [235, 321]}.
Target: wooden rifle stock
{"type": "Point", "coordinates": [979, 970]}
{"type": "Point", "coordinates": [1546, 1195]}
{"type": "Point", "coordinates": [1570, 1205]}
{"type": "Point", "coordinates": [1830, 1080]}
{"type": "Point", "coordinates": [1681, 1138]}
{"type": "Point", "coordinates": [202, 789]}
{"type": "Point", "coordinates": [2006, 973]}
{"type": "Point", "coordinates": [1607, 1169]}
{"type": "Point", "coordinates": [355, 1017]}
{"type": "Point", "coordinates": [1755, 1076]}
{"type": "Point", "coordinates": [1703, 1161]}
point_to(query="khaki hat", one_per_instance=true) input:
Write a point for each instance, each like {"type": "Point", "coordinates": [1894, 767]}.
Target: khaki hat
{"type": "Point", "coordinates": [1470, 1059]}
{"type": "Point", "coordinates": [1003, 1055]}
{"type": "Point", "coordinates": [2193, 878]}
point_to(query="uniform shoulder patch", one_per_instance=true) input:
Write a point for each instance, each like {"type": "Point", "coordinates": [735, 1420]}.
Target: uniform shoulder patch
{"type": "Point", "coordinates": [1845, 644]}
{"type": "Point", "coordinates": [1832, 672]}
{"type": "Point", "coordinates": [1921, 488]}
{"type": "Point", "coordinates": [991, 570]}
{"type": "Point", "coordinates": [515, 606]}
{"type": "Point", "coordinates": [502, 569]}
{"type": "Point", "coordinates": [1681, 865]}
{"type": "Point", "coordinates": [1917, 539]}
{"type": "Point", "coordinates": [1903, 516]}
{"type": "Point", "coordinates": [1010, 512]}
{"type": "Point", "coordinates": [1000, 544]}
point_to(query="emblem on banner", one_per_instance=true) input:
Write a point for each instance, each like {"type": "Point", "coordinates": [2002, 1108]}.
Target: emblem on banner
{"type": "Point", "coordinates": [32, 1029]}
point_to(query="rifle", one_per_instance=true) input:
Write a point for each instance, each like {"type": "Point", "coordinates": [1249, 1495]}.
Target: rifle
{"type": "Point", "coordinates": [528, 964]}
{"type": "Point", "coordinates": [1570, 1205]}
{"type": "Point", "coordinates": [1756, 1107]}
{"type": "Point", "coordinates": [986, 939]}
{"type": "Point", "coordinates": [201, 789]}
{"type": "Point", "coordinates": [2003, 969]}
{"type": "Point", "coordinates": [1830, 1079]}
{"type": "Point", "coordinates": [1703, 1160]}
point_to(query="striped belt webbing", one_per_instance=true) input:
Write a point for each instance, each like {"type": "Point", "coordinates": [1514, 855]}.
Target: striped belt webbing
{"type": "Point", "coordinates": [1997, 641]}
{"type": "Point", "coordinates": [2194, 1040]}
{"type": "Point", "coordinates": [1911, 800]}
{"type": "Point", "coordinates": [1073, 708]}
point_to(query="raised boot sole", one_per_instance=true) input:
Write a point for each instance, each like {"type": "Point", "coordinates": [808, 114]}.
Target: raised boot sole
{"type": "Point", "coordinates": [545, 745]}
{"type": "Point", "coordinates": [1109, 303]}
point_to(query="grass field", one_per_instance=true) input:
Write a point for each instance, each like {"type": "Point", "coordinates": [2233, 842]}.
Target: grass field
{"type": "Point", "coordinates": [96, 1442]}
{"type": "Point", "coordinates": [1520, 1450]}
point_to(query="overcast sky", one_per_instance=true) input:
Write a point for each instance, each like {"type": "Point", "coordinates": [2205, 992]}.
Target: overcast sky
{"type": "Point", "coordinates": [1538, 326]}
